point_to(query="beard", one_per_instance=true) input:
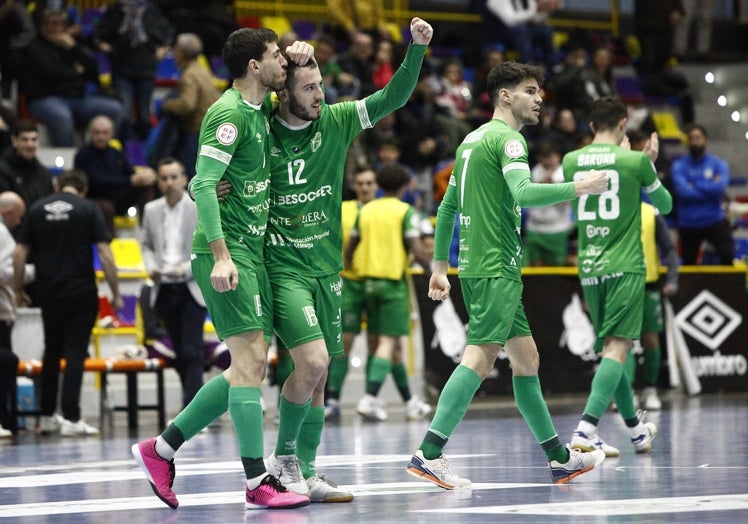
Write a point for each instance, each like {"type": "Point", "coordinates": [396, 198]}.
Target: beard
{"type": "Point", "coordinates": [696, 150]}
{"type": "Point", "coordinates": [300, 111]}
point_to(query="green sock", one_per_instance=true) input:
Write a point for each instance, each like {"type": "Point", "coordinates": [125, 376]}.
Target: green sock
{"type": "Point", "coordinates": [336, 376]}
{"type": "Point", "coordinates": [532, 407]}
{"type": "Point", "coordinates": [379, 368]}
{"type": "Point", "coordinates": [652, 362]}
{"type": "Point", "coordinates": [629, 367]}
{"type": "Point", "coordinates": [209, 403]}
{"type": "Point", "coordinates": [400, 375]}
{"type": "Point", "coordinates": [246, 413]}
{"type": "Point", "coordinates": [291, 417]}
{"type": "Point", "coordinates": [454, 400]}
{"type": "Point", "coordinates": [604, 384]}
{"type": "Point", "coordinates": [624, 397]}
{"type": "Point", "coordinates": [310, 436]}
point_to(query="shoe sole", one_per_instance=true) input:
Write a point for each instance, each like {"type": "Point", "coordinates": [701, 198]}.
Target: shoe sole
{"type": "Point", "coordinates": [300, 504]}
{"type": "Point", "coordinates": [343, 497]}
{"type": "Point", "coordinates": [370, 418]}
{"type": "Point", "coordinates": [423, 475]}
{"type": "Point", "coordinates": [588, 449]}
{"type": "Point", "coordinates": [565, 480]}
{"type": "Point", "coordinates": [135, 449]}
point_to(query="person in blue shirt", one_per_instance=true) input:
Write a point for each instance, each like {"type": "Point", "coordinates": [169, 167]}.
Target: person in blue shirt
{"type": "Point", "coordinates": [700, 180]}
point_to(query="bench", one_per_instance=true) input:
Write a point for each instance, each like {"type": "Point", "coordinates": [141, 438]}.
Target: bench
{"type": "Point", "coordinates": [106, 366]}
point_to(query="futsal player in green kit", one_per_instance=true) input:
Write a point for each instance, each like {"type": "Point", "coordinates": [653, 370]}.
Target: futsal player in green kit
{"type": "Point", "coordinates": [303, 248]}
{"type": "Point", "coordinates": [489, 183]}
{"type": "Point", "coordinates": [611, 264]}
{"type": "Point", "coordinates": [228, 267]}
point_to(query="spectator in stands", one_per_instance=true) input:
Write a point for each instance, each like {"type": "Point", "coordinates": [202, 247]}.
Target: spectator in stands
{"type": "Point", "coordinates": [700, 14]}
{"type": "Point", "coordinates": [653, 27]}
{"type": "Point", "coordinates": [348, 18]}
{"type": "Point", "coordinates": [16, 32]}
{"type": "Point", "coordinates": [383, 69]}
{"type": "Point", "coordinates": [563, 131]}
{"type": "Point", "coordinates": [338, 83]}
{"type": "Point", "coordinates": [358, 61]}
{"type": "Point", "coordinates": [525, 25]}
{"type": "Point", "coordinates": [456, 95]}
{"type": "Point", "coordinates": [134, 35]}
{"type": "Point", "coordinates": [596, 82]}
{"type": "Point", "coordinates": [8, 122]}
{"type": "Point", "coordinates": [700, 180]}
{"type": "Point", "coordinates": [58, 233]}
{"type": "Point", "coordinates": [211, 20]}
{"type": "Point", "coordinates": [56, 71]}
{"type": "Point", "coordinates": [12, 209]}
{"type": "Point", "coordinates": [567, 75]}
{"type": "Point", "coordinates": [166, 240]}
{"type": "Point", "coordinates": [196, 93]}
{"type": "Point", "coordinates": [113, 183]}
{"type": "Point", "coordinates": [491, 57]}
{"type": "Point", "coordinates": [20, 169]}
{"type": "Point", "coordinates": [425, 141]}
{"type": "Point", "coordinates": [548, 227]}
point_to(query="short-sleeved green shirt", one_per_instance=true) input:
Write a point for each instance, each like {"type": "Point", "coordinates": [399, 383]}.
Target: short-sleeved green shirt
{"type": "Point", "coordinates": [610, 224]}
{"type": "Point", "coordinates": [232, 147]}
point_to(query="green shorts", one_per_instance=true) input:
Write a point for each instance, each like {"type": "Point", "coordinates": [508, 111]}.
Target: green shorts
{"type": "Point", "coordinates": [307, 309]}
{"type": "Point", "coordinates": [652, 318]}
{"type": "Point", "coordinates": [615, 303]}
{"type": "Point", "coordinates": [387, 307]}
{"type": "Point", "coordinates": [353, 305]}
{"type": "Point", "coordinates": [495, 310]}
{"type": "Point", "coordinates": [247, 308]}
{"type": "Point", "coordinates": [550, 248]}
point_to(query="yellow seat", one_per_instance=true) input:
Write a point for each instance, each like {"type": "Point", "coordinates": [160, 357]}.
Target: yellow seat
{"type": "Point", "coordinates": [279, 24]}
{"type": "Point", "coordinates": [667, 126]}
{"type": "Point", "coordinates": [127, 255]}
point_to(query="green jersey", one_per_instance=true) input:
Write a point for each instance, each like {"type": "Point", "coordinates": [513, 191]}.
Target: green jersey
{"type": "Point", "coordinates": [233, 144]}
{"type": "Point", "coordinates": [610, 224]}
{"type": "Point", "coordinates": [490, 181]}
{"type": "Point", "coordinates": [307, 169]}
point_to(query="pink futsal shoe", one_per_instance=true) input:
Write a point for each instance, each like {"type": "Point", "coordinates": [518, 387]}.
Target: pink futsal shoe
{"type": "Point", "coordinates": [271, 494]}
{"type": "Point", "coordinates": [158, 470]}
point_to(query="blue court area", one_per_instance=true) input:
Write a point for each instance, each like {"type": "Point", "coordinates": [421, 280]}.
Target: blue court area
{"type": "Point", "coordinates": [696, 472]}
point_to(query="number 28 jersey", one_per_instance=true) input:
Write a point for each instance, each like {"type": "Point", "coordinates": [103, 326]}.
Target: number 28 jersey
{"type": "Point", "coordinates": [609, 224]}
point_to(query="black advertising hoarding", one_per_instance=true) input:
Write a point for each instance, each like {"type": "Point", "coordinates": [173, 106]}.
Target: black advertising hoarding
{"type": "Point", "coordinates": [710, 311]}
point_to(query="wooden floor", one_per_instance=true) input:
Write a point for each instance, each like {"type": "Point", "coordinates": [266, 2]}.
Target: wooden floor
{"type": "Point", "coordinates": [697, 472]}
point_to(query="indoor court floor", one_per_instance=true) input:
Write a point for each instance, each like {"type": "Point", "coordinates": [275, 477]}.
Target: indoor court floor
{"type": "Point", "coordinates": [696, 472]}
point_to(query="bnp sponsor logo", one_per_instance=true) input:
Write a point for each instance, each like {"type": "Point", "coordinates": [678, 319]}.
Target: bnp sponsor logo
{"type": "Point", "coordinates": [710, 321]}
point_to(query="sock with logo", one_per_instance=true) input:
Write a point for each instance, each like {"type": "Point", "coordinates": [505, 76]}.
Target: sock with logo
{"type": "Point", "coordinates": [290, 418]}
{"type": "Point", "coordinates": [310, 436]}
{"type": "Point", "coordinates": [246, 413]}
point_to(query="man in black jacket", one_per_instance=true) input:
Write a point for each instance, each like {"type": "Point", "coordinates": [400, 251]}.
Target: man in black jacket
{"type": "Point", "coordinates": [20, 169]}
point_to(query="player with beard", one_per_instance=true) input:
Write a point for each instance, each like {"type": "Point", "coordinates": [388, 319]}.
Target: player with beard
{"type": "Point", "coordinates": [303, 248]}
{"type": "Point", "coordinates": [228, 266]}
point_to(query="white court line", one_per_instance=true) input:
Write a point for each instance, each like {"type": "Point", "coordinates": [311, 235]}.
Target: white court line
{"type": "Point", "coordinates": [607, 508]}
{"type": "Point", "coordinates": [211, 499]}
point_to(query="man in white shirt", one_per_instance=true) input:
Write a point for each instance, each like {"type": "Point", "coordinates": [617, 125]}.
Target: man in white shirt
{"type": "Point", "coordinates": [166, 240]}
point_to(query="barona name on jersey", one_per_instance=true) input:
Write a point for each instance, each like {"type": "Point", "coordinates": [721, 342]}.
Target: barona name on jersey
{"type": "Point", "coordinates": [301, 198]}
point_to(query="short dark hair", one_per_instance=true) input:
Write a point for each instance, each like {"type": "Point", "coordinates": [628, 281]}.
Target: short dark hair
{"type": "Point", "coordinates": [292, 67]}
{"type": "Point", "coordinates": [168, 160]}
{"type": "Point", "coordinates": [243, 45]}
{"type": "Point", "coordinates": [607, 112]}
{"type": "Point", "coordinates": [74, 178]}
{"type": "Point", "coordinates": [25, 126]}
{"type": "Point", "coordinates": [392, 178]}
{"type": "Point", "coordinates": [547, 148]}
{"type": "Point", "coordinates": [509, 75]}
{"type": "Point", "coordinates": [698, 127]}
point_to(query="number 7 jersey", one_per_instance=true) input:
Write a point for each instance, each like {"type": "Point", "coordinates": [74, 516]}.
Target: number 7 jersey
{"type": "Point", "coordinates": [609, 224]}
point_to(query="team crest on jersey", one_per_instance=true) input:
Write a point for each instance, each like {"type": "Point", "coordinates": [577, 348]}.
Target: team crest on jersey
{"type": "Point", "coordinates": [316, 141]}
{"type": "Point", "coordinates": [226, 133]}
{"type": "Point", "coordinates": [514, 149]}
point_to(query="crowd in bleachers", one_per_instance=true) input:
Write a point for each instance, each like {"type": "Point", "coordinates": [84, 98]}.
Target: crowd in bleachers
{"type": "Point", "coordinates": [61, 68]}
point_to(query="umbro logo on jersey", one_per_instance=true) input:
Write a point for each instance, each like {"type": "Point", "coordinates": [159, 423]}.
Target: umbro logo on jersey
{"type": "Point", "coordinates": [274, 151]}
{"type": "Point", "coordinates": [58, 210]}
